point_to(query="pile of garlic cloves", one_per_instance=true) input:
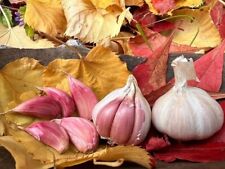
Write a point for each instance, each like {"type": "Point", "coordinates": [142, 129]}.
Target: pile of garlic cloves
{"type": "Point", "coordinates": [123, 116]}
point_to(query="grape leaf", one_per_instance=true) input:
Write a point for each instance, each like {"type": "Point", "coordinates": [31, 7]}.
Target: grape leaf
{"type": "Point", "coordinates": [194, 32]}
{"type": "Point", "coordinates": [49, 16]}
{"type": "Point", "coordinates": [101, 69]}
{"type": "Point", "coordinates": [17, 77]}
{"type": "Point", "coordinates": [16, 37]}
{"type": "Point", "coordinates": [93, 24]}
{"type": "Point", "coordinates": [8, 14]}
{"type": "Point", "coordinates": [134, 2]}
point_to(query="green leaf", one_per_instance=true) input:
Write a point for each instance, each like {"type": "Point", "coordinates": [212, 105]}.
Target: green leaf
{"type": "Point", "coordinates": [8, 15]}
{"type": "Point", "coordinates": [29, 31]}
{"type": "Point", "coordinates": [22, 10]}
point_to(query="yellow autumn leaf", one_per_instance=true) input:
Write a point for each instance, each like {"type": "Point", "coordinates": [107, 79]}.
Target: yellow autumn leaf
{"type": "Point", "coordinates": [134, 2]}
{"type": "Point", "coordinates": [45, 16]}
{"type": "Point", "coordinates": [73, 157]}
{"type": "Point", "coordinates": [179, 4]}
{"type": "Point", "coordinates": [101, 69]}
{"type": "Point", "coordinates": [201, 32]}
{"type": "Point", "coordinates": [22, 158]}
{"type": "Point", "coordinates": [17, 77]}
{"type": "Point", "coordinates": [16, 37]}
{"type": "Point", "coordinates": [92, 24]}
{"type": "Point", "coordinates": [2, 127]}
{"type": "Point", "coordinates": [104, 4]}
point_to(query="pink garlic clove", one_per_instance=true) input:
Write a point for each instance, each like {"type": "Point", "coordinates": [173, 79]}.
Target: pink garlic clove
{"type": "Point", "coordinates": [65, 100]}
{"type": "Point", "coordinates": [40, 107]}
{"type": "Point", "coordinates": [50, 134]}
{"type": "Point", "coordinates": [83, 96]}
{"type": "Point", "coordinates": [82, 133]}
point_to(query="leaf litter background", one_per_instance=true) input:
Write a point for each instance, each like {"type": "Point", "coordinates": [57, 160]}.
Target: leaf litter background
{"type": "Point", "coordinates": [92, 21]}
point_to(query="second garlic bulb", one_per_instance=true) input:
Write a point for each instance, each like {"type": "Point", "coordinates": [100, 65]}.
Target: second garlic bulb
{"type": "Point", "coordinates": [186, 113]}
{"type": "Point", "coordinates": [123, 116]}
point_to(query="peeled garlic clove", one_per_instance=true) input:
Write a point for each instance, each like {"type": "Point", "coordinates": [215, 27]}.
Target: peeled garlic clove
{"type": "Point", "coordinates": [50, 134]}
{"type": "Point", "coordinates": [83, 96]}
{"type": "Point", "coordinates": [40, 107]}
{"type": "Point", "coordinates": [65, 100]}
{"type": "Point", "coordinates": [124, 115]}
{"type": "Point", "coordinates": [82, 132]}
{"type": "Point", "coordinates": [187, 113]}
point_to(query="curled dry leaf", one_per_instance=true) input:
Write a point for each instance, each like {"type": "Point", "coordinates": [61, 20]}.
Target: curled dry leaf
{"type": "Point", "coordinates": [101, 70]}
{"type": "Point", "coordinates": [90, 23]}
{"type": "Point", "coordinates": [49, 16]}
{"type": "Point", "coordinates": [159, 7]}
{"type": "Point", "coordinates": [195, 32]}
{"type": "Point", "coordinates": [73, 157]}
{"type": "Point", "coordinates": [16, 37]}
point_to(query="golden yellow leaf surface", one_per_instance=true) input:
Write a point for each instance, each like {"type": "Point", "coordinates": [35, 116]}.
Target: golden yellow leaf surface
{"type": "Point", "coordinates": [2, 127]}
{"type": "Point", "coordinates": [16, 37]}
{"type": "Point", "coordinates": [73, 157]}
{"type": "Point", "coordinates": [104, 4]}
{"type": "Point", "coordinates": [22, 158]}
{"type": "Point", "coordinates": [201, 32]}
{"type": "Point", "coordinates": [101, 69]}
{"type": "Point", "coordinates": [179, 4]}
{"type": "Point", "coordinates": [17, 77]}
{"type": "Point", "coordinates": [45, 16]}
{"type": "Point", "coordinates": [91, 24]}
{"type": "Point", "coordinates": [134, 2]}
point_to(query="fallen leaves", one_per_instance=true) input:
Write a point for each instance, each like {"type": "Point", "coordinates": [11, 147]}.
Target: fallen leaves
{"type": "Point", "coordinates": [49, 16]}
{"type": "Point", "coordinates": [152, 74]}
{"type": "Point", "coordinates": [16, 37]}
{"type": "Point", "coordinates": [194, 32]}
{"type": "Point", "coordinates": [17, 77]}
{"type": "Point", "coordinates": [91, 24]}
{"type": "Point", "coordinates": [98, 69]}
{"type": "Point", "coordinates": [209, 69]}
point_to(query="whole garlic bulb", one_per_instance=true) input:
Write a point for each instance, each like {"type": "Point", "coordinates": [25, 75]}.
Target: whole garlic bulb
{"type": "Point", "coordinates": [124, 115]}
{"type": "Point", "coordinates": [187, 113]}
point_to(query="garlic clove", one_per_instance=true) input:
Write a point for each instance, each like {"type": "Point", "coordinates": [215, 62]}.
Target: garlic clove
{"type": "Point", "coordinates": [65, 100]}
{"type": "Point", "coordinates": [119, 119]}
{"type": "Point", "coordinates": [123, 122]}
{"type": "Point", "coordinates": [40, 107]}
{"type": "Point", "coordinates": [83, 96]}
{"type": "Point", "coordinates": [186, 113]}
{"type": "Point", "coordinates": [50, 134]}
{"type": "Point", "coordinates": [141, 125]}
{"type": "Point", "coordinates": [82, 133]}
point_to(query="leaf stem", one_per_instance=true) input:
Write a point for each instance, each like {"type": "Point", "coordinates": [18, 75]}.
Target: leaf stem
{"type": "Point", "coordinates": [63, 43]}
{"type": "Point", "coordinates": [141, 31]}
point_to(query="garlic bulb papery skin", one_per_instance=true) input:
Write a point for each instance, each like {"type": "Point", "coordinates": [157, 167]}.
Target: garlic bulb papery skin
{"type": "Point", "coordinates": [186, 113]}
{"type": "Point", "coordinates": [124, 115]}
